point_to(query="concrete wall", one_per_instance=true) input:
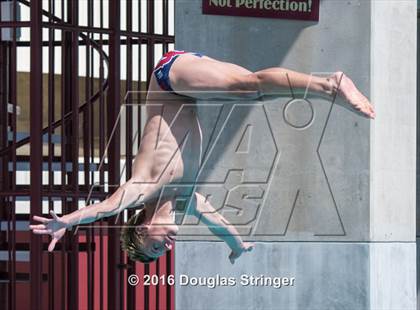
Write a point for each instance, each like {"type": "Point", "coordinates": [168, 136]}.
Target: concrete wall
{"type": "Point", "coordinates": [332, 204]}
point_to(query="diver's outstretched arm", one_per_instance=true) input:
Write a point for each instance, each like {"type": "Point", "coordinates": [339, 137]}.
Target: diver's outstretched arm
{"type": "Point", "coordinates": [221, 227]}
{"type": "Point", "coordinates": [130, 194]}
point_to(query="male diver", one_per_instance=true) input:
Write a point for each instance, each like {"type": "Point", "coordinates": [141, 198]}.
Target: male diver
{"type": "Point", "coordinates": [170, 150]}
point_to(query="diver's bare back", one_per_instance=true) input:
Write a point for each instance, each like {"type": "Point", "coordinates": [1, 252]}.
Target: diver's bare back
{"type": "Point", "coordinates": [170, 149]}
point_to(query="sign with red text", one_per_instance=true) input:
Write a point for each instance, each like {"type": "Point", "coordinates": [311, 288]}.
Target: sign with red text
{"type": "Point", "coordinates": [284, 9]}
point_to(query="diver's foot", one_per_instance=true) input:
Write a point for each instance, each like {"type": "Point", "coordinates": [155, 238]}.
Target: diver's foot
{"type": "Point", "coordinates": [345, 87]}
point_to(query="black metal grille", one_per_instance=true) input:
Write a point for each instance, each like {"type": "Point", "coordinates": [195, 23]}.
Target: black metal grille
{"type": "Point", "coordinates": [69, 128]}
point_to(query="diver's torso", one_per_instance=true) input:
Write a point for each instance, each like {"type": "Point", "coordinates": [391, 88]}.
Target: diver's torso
{"type": "Point", "coordinates": [172, 139]}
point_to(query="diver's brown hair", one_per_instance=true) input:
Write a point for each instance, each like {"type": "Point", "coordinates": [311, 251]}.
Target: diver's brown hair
{"type": "Point", "coordinates": [132, 241]}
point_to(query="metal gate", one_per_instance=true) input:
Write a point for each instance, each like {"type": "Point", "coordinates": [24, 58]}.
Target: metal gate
{"type": "Point", "coordinates": [60, 133]}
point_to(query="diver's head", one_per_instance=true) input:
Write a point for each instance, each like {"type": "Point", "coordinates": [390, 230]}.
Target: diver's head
{"type": "Point", "coordinates": [145, 239]}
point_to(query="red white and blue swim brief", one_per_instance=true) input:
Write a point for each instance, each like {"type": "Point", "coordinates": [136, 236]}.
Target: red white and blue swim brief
{"type": "Point", "coordinates": [161, 70]}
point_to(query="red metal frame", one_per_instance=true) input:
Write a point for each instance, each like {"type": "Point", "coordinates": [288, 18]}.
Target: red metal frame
{"type": "Point", "coordinates": [87, 270]}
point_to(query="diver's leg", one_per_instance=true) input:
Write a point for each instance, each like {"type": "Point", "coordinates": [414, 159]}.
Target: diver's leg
{"type": "Point", "coordinates": [269, 80]}
{"type": "Point", "coordinates": [205, 78]}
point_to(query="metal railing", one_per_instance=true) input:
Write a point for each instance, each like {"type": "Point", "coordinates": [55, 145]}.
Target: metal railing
{"type": "Point", "coordinates": [70, 121]}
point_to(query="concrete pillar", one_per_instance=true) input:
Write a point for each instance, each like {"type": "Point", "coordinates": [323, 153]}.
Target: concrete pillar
{"type": "Point", "coordinates": [327, 195]}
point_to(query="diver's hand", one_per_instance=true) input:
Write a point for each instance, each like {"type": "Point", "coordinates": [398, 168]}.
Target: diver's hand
{"type": "Point", "coordinates": [245, 247]}
{"type": "Point", "coordinates": [56, 227]}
